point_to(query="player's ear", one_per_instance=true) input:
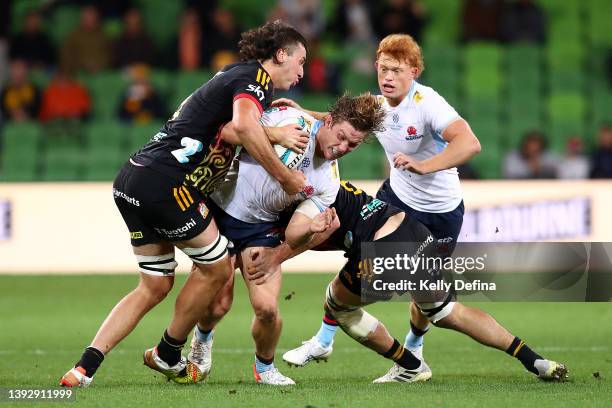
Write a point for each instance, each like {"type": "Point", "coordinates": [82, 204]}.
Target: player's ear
{"type": "Point", "coordinates": [281, 54]}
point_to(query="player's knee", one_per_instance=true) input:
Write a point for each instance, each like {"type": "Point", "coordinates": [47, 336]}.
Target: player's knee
{"type": "Point", "coordinates": [222, 307]}
{"type": "Point", "coordinates": [439, 313]}
{"type": "Point", "coordinates": [156, 290]}
{"type": "Point", "coordinates": [266, 312]}
{"type": "Point", "coordinates": [209, 254]}
{"type": "Point", "coordinates": [355, 321]}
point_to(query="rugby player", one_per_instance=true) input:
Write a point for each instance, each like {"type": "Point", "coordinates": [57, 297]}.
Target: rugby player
{"type": "Point", "coordinates": [247, 210]}
{"type": "Point", "coordinates": [161, 193]}
{"type": "Point", "coordinates": [365, 219]}
{"type": "Point", "coordinates": [424, 140]}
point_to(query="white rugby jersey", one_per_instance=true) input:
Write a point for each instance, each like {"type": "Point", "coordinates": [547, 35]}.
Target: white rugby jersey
{"type": "Point", "coordinates": [251, 195]}
{"type": "Point", "coordinates": [414, 128]}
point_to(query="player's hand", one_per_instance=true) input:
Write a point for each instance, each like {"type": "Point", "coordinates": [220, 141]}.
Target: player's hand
{"type": "Point", "coordinates": [295, 183]}
{"type": "Point", "coordinates": [404, 162]}
{"type": "Point", "coordinates": [324, 221]}
{"type": "Point", "coordinates": [286, 102]}
{"type": "Point", "coordinates": [292, 137]}
{"type": "Point", "coordinates": [263, 264]}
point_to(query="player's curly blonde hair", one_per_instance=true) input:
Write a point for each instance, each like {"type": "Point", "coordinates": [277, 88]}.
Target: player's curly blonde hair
{"type": "Point", "coordinates": [364, 112]}
{"type": "Point", "coordinates": [402, 47]}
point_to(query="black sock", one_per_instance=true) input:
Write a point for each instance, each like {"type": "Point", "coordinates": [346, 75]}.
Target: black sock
{"type": "Point", "coordinates": [90, 360]}
{"type": "Point", "coordinates": [402, 356]}
{"type": "Point", "coordinates": [416, 331]}
{"type": "Point", "coordinates": [266, 361]}
{"type": "Point", "coordinates": [527, 356]}
{"type": "Point", "coordinates": [169, 349]}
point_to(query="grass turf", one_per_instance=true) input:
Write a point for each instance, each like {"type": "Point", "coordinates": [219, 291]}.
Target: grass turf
{"type": "Point", "coordinates": [46, 321]}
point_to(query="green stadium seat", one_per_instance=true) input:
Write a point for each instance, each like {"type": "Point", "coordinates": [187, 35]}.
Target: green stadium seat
{"type": "Point", "coordinates": [487, 163]}
{"type": "Point", "coordinates": [444, 26]}
{"type": "Point", "coordinates": [249, 13]}
{"type": "Point", "coordinates": [566, 106]}
{"type": "Point", "coordinates": [482, 70]}
{"type": "Point", "coordinates": [139, 135]}
{"type": "Point", "coordinates": [20, 152]}
{"type": "Point", "coordinates": [186, 83]}
{"type": "Point", "coordinates": [481, 108]}
{"type": "Point", "coordinates": [64, 20]}
{"type": "Point", "coordinates": [105, 152]}
{"type": "Point", "coordinates": [318, 102]}
{"type": "Point", "coordinates": [566, 81]}
{"type": "Point", "coordinates": [365, 162]}
{"type": "Point", "coordinates": [20, 10]}
{"type": "Point", "coordinates": [65, 164]}
{"type": "Point", "coordinates": [358, 82]}
{"type": "Point", "coordinates": [106, 89]}
{"type": "Point", "coordinates": [161, 19]}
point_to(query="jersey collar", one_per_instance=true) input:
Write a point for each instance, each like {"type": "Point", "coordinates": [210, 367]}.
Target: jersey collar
{"type": "Point", "coordinates": [315, 129]}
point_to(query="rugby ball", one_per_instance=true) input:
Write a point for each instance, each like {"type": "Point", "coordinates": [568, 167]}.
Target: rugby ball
{"type": "Point", "coordinates": [290, 158]}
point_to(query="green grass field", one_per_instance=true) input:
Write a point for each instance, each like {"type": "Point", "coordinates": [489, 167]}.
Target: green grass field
{"type": "Point", "coordinates": [46, 321]}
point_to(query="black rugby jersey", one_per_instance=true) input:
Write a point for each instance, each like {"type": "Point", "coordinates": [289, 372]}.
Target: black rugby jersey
{"type": "Point", "coordinates": [188, 147]}
{"type": "Point", "coordinates": [360, 215]}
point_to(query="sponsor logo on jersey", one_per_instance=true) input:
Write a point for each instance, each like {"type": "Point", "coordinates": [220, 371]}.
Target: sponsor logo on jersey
{"type": "Point", "coordinates": [257, 91]}
{"type": "Point", "coordinates": [308, 191]}
{"type": "Point", "coordinates": [371, 208]}
{"type": "Point", "coordinates": [348, 239]}
{"type": "Point", "coordinates": [395, 118]}
{"type": "Point", "coordinates": [178, 232]}
{"type": "Point", "coordinates": [305, 163]}
{"type": "Point", "coordinates": [413, 134]}
{"type": "Point", "coordinates": [121, 194]}
{"type": "Point", "coordinates": [158, 136]}
{"type": "Point", "coordinates": [203, 209]}
{"type": "Point", "coordinates": [445, 240]}
{"type": "Point", "coordinates": [417, 97]}
{"type": "Point", "coordinates": [136, 234]}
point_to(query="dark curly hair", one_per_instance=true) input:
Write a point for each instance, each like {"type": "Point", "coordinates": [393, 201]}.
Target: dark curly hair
{"type": "Point", "coordinates": [364, 112]}
{"type": "Point", "coordinates": [263, 42]}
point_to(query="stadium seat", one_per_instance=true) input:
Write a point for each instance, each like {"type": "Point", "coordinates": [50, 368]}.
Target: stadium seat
{"type": "Point", "coordinates": [357, 82]}
{"type": "Point", "coordinates": [488, 163]}
{"type": "Point", "coordinates": [63, 151]}
{"type": "Point", "coordinates": [64, 20]}
{"type": "Point", "coordinates": [185, 83]}
{"type": "Point", "coordinates": [106, 89]}
{"type": "Point", "coordinates": [161, 19]}
{"type": "Point", "coordinates": [104, 151]}
{"type": "Point", "coordinates": [249, 13]}
{"type": "Point", "coordinates": [443, 27]}
{"type": "Point", "coordinates": [482, 70]}
{"type": "Point", "coordinates": [365, 162]}
{"type": "Point", "coordinates": [319, 102]}
{"type": "Point", "coordinates": [20, 152]}
{"type": "Point", "coordinates": [139, 135]}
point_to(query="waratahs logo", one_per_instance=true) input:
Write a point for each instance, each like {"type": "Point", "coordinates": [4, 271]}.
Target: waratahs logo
{"type": "Point", "coordinates": [413, 133]}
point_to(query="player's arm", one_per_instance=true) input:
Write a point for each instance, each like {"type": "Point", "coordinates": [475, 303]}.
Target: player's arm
{"type": "Point", "coordinates": [252, 137]}
{"type": "Point", "coordinates": [462, 146]}
{"type": "Point", "coordinates": [289, 136]}
{"type": "Point", "coordinates": [294, 104]}
{"type": "Point", "coordinates": [307, 233]}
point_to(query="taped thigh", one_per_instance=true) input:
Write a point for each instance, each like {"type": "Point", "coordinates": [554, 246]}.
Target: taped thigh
{"type": "Point", "coordinates": [208, 254]}
{"type": "Point", "coordinates": [157, 265]}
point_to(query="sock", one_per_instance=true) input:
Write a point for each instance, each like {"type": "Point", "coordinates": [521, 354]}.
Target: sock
{"type": "Point", "coordinates": [262, 365]}
{"type": "Point", "coordinates": [414, 338]}
{"type": "Point", "coordinates": [402, 356]}
{"type": "Point", "coordinates": [204, 335]}
{"type": "Point", "coordinates": [527, 356]}
{"type": "Point", "coordinates": [169, 349]}
{"type": "Point", "coordinates": [90, 360]}
{"type": "Point", "coordinates": [328, 329]}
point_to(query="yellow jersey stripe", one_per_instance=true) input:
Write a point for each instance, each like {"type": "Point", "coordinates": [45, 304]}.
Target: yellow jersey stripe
{"type": "Point", "coordinates": [178, 200]}
{"type": "Point", "coordinates": [187, 194]}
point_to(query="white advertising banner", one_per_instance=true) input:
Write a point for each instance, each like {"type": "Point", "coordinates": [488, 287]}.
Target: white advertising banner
{"type": "Point", "coordinates": [76, 228]}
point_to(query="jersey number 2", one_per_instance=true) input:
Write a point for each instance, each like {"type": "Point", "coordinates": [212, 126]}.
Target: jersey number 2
{"type": "Point", "coordinates": [192, 146]}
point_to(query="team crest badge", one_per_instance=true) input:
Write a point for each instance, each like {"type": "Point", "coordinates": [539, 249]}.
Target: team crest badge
{"type": "Point", "coordinates": [203, 209]}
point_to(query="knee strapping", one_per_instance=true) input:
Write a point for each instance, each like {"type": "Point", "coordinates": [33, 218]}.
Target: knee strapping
{"type": "Point", "coordinates": [437, 310]}
{"type": "Point", "coordinates": [157, 265]}
{"type": "Point", "coordinates": [355, 321]}
{"type": "Point", "coordinates": [208, 254]}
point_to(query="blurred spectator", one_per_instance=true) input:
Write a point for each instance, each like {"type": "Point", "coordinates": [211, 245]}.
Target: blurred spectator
{"type": "Point", "coordinates": [87, 47]}
{"type": "Point", "coordinates": [575, 165]}
{"type": "Point", "coordinates": [140, 103]}
{"type": "Point", "coordinates": [352, 22]}
{"type": "Point", "coordinates": [523, 21]}
{"type": "Point", "coordinates": [320, 75]}
{"type": "Point", "coordinates": [305, 15]}
{"type": "Point", "coordinates": [402, 16]}
{"type": "Point", "coordinates": [20, 98]}
{"type": "Point", "coordinates": [32, 44]}
{"type": "Point", "coordinates": [532, 161]}
{"type": "Point", "coordinates": [133, 45]}
{"type": "Point", "coordinates": [189, 43]}
{"type": "Point", "coordinates": [64, 98]}
{"type": "Point", "coordinates": [220, 47]}
{"type": "Point", "coordinates": [601, 159]}
{"type": "Point", "coordinates": [481, 20]}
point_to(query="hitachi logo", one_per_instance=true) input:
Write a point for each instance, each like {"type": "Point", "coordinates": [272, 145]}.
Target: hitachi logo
{"type": "Point", "coordinates": [175, 232]}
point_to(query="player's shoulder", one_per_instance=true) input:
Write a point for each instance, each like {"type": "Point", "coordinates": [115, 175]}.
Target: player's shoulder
{"type": "Point", "coordinates": [422, 94]}
{"type": "Point", "coordinates": [285, 115]}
